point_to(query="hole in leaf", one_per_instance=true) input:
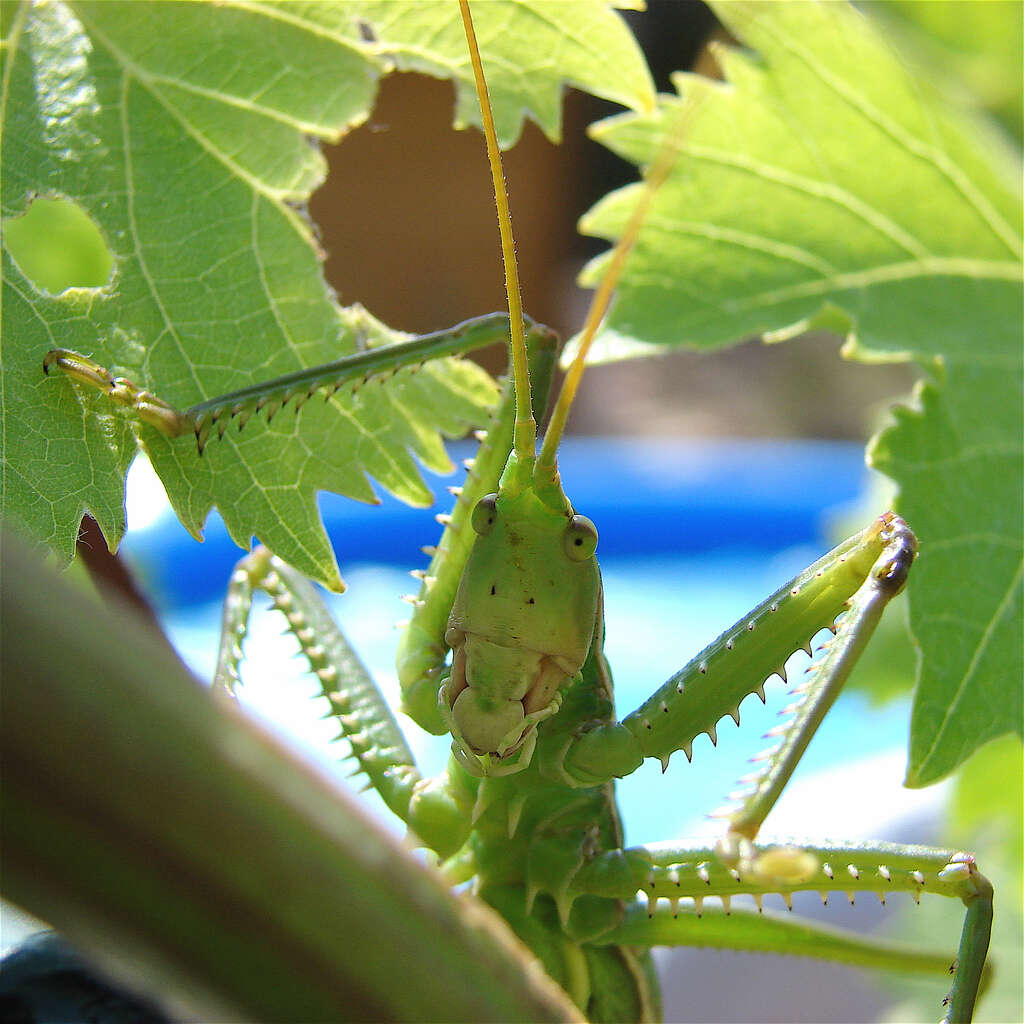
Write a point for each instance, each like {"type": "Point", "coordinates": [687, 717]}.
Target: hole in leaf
{"type": "Point", "coordinates": [57, 245]}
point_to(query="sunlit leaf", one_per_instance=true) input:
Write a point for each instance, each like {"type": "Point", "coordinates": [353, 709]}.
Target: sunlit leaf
{"type": "Point", "coordinates": [182, 131]}
{"type": "Point", "coordinates": [822, 186]}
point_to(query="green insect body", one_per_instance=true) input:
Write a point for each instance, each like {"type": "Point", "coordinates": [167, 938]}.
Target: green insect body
{"type": "Point", "coordinates": [534, 835]}
{"type": "Point", "coordinates": [527, 809]}
{"type": "Point", "coordinates": [533, 822]}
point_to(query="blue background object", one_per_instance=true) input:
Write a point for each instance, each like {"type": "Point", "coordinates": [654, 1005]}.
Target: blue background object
{"type": "Point", "coordinates": [692, 535]}
{"type": "Point", "coordinates": [647, 497]}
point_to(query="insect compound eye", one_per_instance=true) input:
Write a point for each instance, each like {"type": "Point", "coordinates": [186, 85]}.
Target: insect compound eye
{"type": "Point", "coordinates": [580, 539]}
{"type": "Point", "coordinates": [484, 514]}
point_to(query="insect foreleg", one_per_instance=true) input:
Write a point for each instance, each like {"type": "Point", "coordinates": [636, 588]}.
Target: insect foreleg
{"type": "Point", "coordinates": [825, 678]}
{"type": "Point", "coordinates": [433, 809]}
{"type": "Point", "coordinates": [735, 665]}
{"type": "Point", "coordinates": [212, 416]}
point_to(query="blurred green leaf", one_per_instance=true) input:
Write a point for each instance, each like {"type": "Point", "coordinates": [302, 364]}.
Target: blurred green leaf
{"type": "Point", "coordinates": [977, 48]}
{"type": "Point", "coordinates": [144, 817]}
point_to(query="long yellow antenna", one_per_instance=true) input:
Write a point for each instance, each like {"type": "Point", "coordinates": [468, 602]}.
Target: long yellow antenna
{"type": "Point", "coordinates": [653, 180]}
{"type": "Point", "coordinates": [525, 435]}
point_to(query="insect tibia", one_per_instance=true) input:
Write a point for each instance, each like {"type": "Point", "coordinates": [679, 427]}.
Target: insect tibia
{"type": "Point", "coordinates": [382, 362]}
{"type": "Point", "coordinates": [120, 390]}
{"type": "Point", "coordinates": [211, 418]}
{"type": "Point", "coordinates": [829, 671]}
{"type": "Point", "coordinates": [355, 702]}
{"type": "Point", "coordinates": [672, 921]}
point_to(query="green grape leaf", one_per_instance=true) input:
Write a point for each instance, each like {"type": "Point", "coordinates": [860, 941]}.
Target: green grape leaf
{"type": "Point", "coordinates": [823, 186]}
{"type": "Point", "coordinates": [957, 459]}
{"type": "Point", "coordinates": [531, 51]}
{"type": "Point", "coordinates": [181, 131]}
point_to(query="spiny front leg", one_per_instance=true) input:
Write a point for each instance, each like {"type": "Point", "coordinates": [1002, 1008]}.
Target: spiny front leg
{"type": "Point", "coordinates": [432, 808]}
{"type": "Point", "coordinates": [735, 665]}
{"type": "Point", "coordinates": [737, 865]}
{"type": "Point", "coordinates": [212, 416]}
{"type": "Point", "coordinates": [822, 684]}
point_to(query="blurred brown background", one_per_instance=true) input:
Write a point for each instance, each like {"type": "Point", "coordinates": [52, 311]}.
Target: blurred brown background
{"type": "Point", "coordinates": [407, 219]}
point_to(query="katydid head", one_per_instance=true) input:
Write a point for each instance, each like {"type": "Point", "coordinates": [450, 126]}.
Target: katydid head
{"type": "Point", "coordinates": [525, 614]}
{"type": "Point", "coordinates": [520, 628]}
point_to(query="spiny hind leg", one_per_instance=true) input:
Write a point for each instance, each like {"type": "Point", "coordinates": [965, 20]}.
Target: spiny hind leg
{"type": "Point", "coordinates": [430, 807]}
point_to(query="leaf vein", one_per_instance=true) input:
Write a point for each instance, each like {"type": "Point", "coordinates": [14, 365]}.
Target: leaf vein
{"type": "Point", "coordinates": [892, 272]}
{"type": "Point", "coordinates": [192, 131]}
{"type": "Point", "coordinates": [129, 177]}
{"type": "Point", "coordinates": [913, 145]}
{"type": "Point", "coordinates": [746, 240]}
{"type": "Point", "coordinates": [830, 192]}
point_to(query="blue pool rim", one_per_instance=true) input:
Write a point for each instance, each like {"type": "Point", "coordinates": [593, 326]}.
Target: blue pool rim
{"type": "Point", "coordinates": [648, 497]}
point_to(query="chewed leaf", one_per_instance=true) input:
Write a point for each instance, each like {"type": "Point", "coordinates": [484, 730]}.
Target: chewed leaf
{"type": "Point", "coordinates": [822, 186]}
{"type": "Point", "coordinates": [819, 174]}
{"type": "Point", "coordinates": [531, 50]}
{"type": "Point", "coordinates": [182, 131]}
{"type": "Point", "coordinates": [264, 476]}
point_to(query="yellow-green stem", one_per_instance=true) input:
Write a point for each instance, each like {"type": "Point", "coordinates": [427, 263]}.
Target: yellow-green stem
{"type": "Point", "coordinates": [525, 436]}
{"type": "Point", "coordinates": [653, 180]}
